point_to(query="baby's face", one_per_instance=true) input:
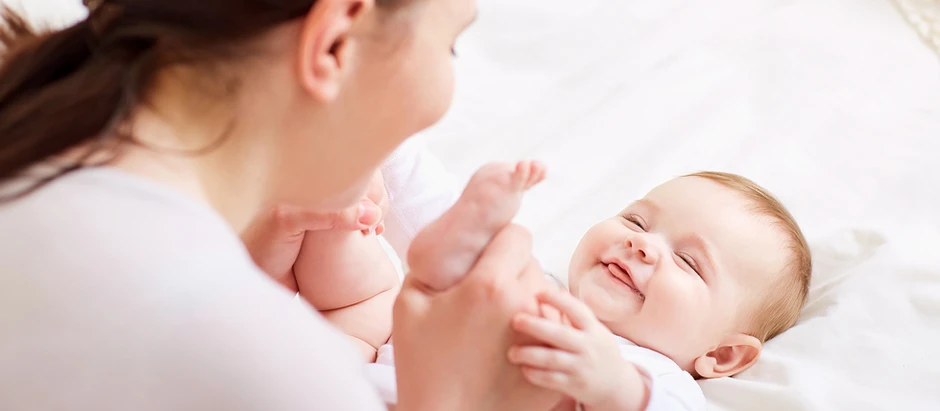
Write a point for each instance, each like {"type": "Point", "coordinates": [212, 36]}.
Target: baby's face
{"type": "Point", "coordinates": [676, 271]}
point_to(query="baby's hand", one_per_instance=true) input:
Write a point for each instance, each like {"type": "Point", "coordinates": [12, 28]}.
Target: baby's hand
{"type": "Point", "coordinates": [581, 360]}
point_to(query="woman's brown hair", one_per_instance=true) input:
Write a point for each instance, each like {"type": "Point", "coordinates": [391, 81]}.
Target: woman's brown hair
{"type": "Point", "coordinates": [71, 88]}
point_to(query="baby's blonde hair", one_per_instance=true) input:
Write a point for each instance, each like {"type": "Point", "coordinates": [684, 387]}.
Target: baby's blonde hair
{"type": "Point", "coordinates": [779, 308]}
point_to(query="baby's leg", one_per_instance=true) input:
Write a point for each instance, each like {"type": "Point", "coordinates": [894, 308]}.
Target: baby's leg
{"type": "Point", "coordinates": [448, 247]}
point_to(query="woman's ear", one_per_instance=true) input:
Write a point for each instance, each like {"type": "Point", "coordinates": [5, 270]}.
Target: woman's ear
{"type": "Point", "coordinates": [324, 39]}
{"type": "Point", "coordinates": [734, 355]}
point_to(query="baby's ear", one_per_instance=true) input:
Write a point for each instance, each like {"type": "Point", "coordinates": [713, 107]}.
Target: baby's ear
{"type": "Point", "coordinates": [736, 354]}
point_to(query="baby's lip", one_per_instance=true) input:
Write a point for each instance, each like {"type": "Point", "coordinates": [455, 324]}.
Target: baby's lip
{"type": "Point", "coordinates": [622, 271]}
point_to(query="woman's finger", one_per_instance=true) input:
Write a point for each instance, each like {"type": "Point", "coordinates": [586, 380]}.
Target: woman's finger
{"type": "Point", "coordinates": [549, 332]}
{"type": "Point", "coordinates": [293, 220]}
{"type": "Point", "coordinates": [552, 380]}
{"type": "Point", "coordinates": [543, 358]}
{"type": "Point", "coordinates": [574, 309]}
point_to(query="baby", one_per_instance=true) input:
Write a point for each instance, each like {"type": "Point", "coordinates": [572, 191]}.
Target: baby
{"type": "Point", "coordinates": [686, 283]}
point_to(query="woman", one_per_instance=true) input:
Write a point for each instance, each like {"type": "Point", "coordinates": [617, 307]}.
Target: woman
{"type": "Point", "coordinates": [137, 143]}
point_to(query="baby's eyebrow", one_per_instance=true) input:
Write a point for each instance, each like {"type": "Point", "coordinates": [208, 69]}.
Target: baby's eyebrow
{"type": "Point", "coordinates": [646, 204]}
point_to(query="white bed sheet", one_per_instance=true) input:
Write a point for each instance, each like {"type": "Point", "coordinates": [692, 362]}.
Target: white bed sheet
{"type": "Point", "coordinates": [831, 104]}
{"type": "Point", "coordinates": [834, 105]}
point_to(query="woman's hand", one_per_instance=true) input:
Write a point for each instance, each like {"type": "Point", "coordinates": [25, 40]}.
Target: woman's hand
{"type": "Point", "coordinates": [275, 236]}
{"type": "Point", "coordinates": [451, 346]}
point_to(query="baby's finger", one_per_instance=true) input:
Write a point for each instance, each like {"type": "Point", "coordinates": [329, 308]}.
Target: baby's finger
{"type": "Point", "coordinates": [549, 332]}
{"type": "Point", "coordinates": [543, 358]}
{"type": "Point", "coordinates": [552, 380]}
{"type": "Point", "coordinates": [550, 313]}
{"type": "Point", "coordinates": [577, 312]}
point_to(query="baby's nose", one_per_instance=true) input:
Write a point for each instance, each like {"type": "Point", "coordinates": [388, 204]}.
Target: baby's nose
{"type": "Point", "coordinates": [642, 249]}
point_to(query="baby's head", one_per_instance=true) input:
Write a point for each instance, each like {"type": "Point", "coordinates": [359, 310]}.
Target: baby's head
{"type": "Point", "coordinates": [704, 269]}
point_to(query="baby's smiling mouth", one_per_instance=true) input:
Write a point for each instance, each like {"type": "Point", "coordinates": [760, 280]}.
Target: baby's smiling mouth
{"type": "Point", "coordinates": [622, 273]}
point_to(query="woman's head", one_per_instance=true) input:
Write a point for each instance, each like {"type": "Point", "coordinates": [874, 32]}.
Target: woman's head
{"type": "Point", "coordinates": [302, 98]}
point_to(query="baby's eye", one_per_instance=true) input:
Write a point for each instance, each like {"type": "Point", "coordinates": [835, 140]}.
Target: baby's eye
{"type": "Point", "coordinates": [636, 221]}
{"type": "Point", "coordinates": [689, 262]}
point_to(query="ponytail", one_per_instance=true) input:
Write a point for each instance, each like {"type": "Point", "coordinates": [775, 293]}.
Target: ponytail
{"type": "Point", "coordinates": [57, 93]}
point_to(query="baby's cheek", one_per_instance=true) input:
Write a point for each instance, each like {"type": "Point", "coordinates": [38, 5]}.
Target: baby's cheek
{"type": "Point", "coordinates": [681, 309]}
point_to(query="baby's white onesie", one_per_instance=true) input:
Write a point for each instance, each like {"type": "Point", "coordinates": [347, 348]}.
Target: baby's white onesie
{"type": "Point", "coordinates": [671, 388]}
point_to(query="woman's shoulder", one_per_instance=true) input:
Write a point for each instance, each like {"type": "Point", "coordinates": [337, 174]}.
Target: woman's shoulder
{"type": "Point", "coordinates": [104, 220]}
{"type": "Point", "coordinates": [106, 236]}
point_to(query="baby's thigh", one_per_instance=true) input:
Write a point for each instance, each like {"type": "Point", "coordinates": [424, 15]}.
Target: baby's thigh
{"type": "Point", "coordinates": [369, 320]}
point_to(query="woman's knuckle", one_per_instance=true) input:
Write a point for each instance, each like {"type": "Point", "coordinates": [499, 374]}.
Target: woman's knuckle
{"type": "Point", "coordinates": [491, 288]}
{"type": "Point", "coordinates": [280, 214]}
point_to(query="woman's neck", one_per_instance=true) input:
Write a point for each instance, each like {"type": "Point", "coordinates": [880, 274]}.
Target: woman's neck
{"type": "Point", "coordinates": [205, 151]}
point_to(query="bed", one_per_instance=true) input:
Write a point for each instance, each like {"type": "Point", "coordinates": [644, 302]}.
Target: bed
{"type": "Point", "coordinates": [831, 104]}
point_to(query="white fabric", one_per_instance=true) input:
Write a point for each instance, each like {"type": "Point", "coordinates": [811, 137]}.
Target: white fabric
{"type": "Point", "coordinates": [671, 388]}
{"type": "Point", "coordinates": [419, 190]}
{"type": "Point", "coordinates": [118, 294]}
{"type": "Point", "coordinates": [381, 374]}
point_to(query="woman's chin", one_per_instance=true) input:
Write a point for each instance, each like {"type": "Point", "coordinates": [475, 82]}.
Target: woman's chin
{"type": "Point", "coordinates": [332, 201]}
{"type": "Point", "coordinates": [343, 200]}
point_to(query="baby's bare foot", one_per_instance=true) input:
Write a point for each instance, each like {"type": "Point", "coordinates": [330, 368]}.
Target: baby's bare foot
{"type": "Point", "coordinates": [448, 247]}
